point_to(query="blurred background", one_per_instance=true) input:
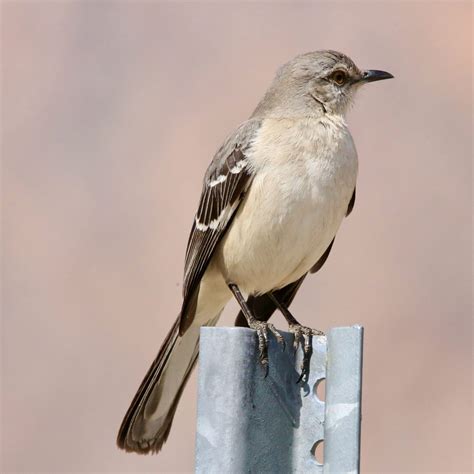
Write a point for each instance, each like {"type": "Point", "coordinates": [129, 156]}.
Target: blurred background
{"type": "Point", "coordinates": [103, 102]}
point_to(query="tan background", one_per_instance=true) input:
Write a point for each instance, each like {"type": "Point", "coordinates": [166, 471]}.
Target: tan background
{"type": "Point", "coordinates": [102, 105]}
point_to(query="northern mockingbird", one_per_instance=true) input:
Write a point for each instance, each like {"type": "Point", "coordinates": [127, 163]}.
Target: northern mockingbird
{"type": "Point", "coordinates": [272, 201]}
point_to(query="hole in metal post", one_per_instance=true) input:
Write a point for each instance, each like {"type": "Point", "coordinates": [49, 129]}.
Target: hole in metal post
{"type": "Point", "coordinates": [318, 451]}
{"type": "Point", "coordinates": [320, 389]}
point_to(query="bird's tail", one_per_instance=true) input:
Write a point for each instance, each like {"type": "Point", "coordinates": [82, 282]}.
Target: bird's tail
{"type": "Point", "coordinates": [147, 422]}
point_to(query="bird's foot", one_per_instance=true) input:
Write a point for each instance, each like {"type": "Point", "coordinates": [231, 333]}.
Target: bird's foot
{"type": "Point", "coordinates": [262, 328]}
{"type": "Point", "coordinates": [306, 334]}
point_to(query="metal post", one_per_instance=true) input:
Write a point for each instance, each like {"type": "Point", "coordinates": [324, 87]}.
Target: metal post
{"type": "Point", "coordinates": [249, 423]}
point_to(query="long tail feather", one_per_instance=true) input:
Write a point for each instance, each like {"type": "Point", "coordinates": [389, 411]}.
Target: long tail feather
{"type": "Point", "coordinates": [147, 422]}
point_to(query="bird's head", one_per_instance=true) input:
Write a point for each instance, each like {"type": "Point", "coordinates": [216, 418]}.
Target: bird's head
{"type": "Point", "coordinates": [316, 83]}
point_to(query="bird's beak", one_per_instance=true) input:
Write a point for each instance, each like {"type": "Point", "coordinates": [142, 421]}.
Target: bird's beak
{"type": "Point", "coordinates": [372, 75]}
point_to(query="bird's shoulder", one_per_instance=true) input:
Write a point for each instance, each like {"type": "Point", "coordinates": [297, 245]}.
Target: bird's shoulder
{"type": "Point", "coordinates": [240, 139]}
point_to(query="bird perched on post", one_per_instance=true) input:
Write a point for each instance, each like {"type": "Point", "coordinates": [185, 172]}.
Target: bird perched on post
{"type": "Point", "coordinates": [272, 201]}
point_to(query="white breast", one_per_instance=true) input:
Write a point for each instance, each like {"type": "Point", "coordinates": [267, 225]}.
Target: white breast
{"type": "Point", "coordinates": [305, 174]}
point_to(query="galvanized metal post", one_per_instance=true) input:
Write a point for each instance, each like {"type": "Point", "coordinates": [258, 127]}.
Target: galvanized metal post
{"type": "Point", "coordinates": [343, 400]}
{"type": "Point", "coordinates": [251, 423]}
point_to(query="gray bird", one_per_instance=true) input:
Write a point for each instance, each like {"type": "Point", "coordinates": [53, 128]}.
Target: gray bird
{"type": "Point", "coordinates": [272, 201]}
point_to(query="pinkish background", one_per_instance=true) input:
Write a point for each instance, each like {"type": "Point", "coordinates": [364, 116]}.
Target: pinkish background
{"type": "Point", "coordinates": [103, 102]}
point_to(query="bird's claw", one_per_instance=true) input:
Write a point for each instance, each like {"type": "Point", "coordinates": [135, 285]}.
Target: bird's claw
{"type": "Point", "coordinates": [262, 328]}
{"type": "Point", "coordinates": [305, 333]}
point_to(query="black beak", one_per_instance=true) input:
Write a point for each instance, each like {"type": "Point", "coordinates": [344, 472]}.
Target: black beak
{"type": "Point", "coordinates": [373, 75]}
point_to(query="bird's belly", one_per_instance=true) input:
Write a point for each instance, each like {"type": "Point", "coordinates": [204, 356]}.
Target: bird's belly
{"type": "Point", "coordinates": [284, 225]}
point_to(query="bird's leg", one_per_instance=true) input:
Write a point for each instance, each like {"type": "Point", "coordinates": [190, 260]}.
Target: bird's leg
{"type": "Point", "coordinates": [299, 332]}
{"type": "Point", "coordinates": [262, 327]}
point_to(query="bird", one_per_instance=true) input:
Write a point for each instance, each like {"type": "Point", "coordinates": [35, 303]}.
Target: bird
{"type": "Point", "coordinates": [272, 201]}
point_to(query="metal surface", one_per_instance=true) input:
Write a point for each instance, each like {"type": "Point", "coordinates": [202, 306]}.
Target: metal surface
{"type": "Point", "coordinates": [251, 424]}
{"type": "Point", "coordinates": [343, 400]}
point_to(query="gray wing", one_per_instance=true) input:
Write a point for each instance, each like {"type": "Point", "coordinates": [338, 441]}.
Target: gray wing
{"type": "Point", "coordinates": [225, 183]}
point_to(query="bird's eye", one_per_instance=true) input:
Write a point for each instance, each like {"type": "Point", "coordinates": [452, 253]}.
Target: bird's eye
{"type": "Point", "coordinates": [339, 77]}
